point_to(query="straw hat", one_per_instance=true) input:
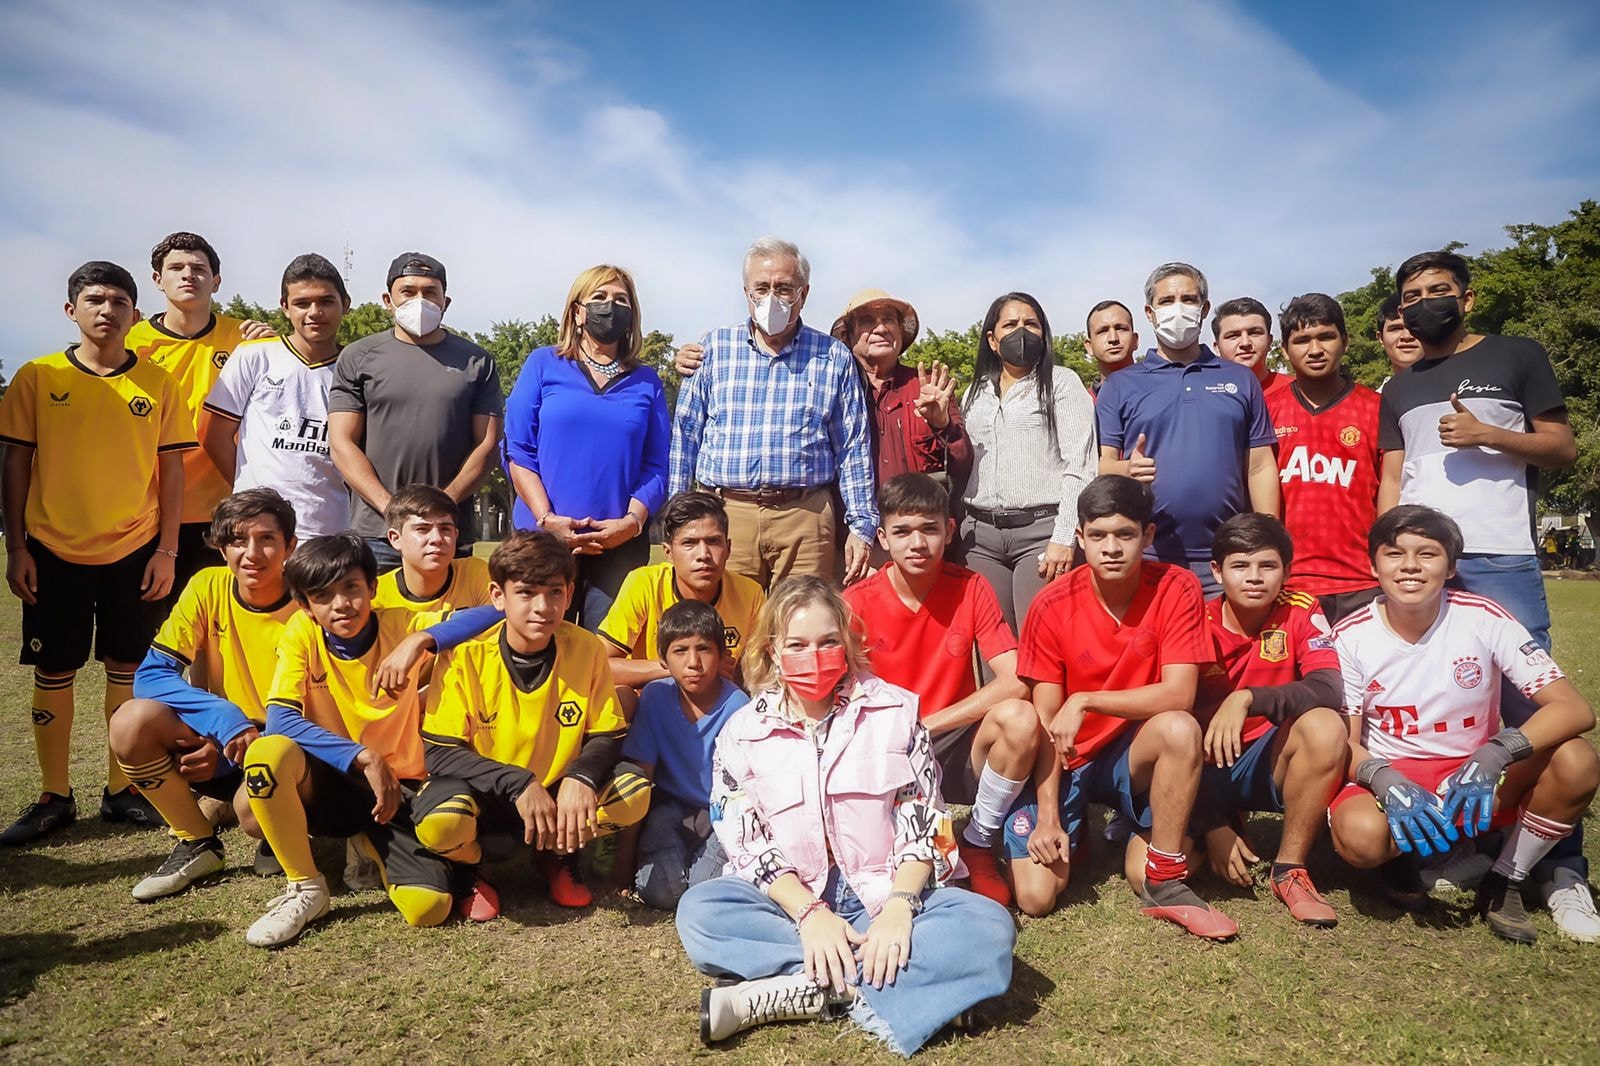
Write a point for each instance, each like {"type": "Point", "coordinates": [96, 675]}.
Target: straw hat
{"type": "Point", "coordinates": [908, 315]}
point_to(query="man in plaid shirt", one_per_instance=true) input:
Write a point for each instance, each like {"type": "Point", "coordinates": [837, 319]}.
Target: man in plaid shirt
{"type": "Point", "coordinates": [772, 420]}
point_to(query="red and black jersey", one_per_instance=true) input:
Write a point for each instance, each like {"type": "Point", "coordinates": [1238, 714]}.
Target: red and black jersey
{"type": "Point", "coordinates": [1328, 464]}
{"type": "Point", "coordinates": [1294, 641]}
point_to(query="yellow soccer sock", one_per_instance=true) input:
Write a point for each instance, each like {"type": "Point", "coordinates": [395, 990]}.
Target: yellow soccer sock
{"type": "Point", "coordinates": [418, 905]}
{"type": "Point", "coordinates": [623, 802]}
{"type": "Point", "coordinates": [450, 826]}
{"type": "Point", "coordinates": [52, 729]}
{"type": "Point", "coordinates": [274, 766]}
{"type": "Point", "coordinates": [158, 781]}
{"type": "Point", "coordinates": [119, 690]}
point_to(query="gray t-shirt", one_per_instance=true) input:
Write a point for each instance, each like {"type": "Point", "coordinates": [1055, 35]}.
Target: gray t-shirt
{"type": "Point", "coordinates": [419, 402]}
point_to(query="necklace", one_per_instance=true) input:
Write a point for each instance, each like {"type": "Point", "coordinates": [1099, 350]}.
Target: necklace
{"type": "Point", "coordinates": [605, 370]}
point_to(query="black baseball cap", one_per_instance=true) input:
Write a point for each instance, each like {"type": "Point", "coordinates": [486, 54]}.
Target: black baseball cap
{"type": "Point", "coordinates": [415, 265]}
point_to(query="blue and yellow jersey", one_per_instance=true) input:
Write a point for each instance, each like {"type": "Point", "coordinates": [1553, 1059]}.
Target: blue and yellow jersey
{"type": "Point", "coordinates": [235, 645]}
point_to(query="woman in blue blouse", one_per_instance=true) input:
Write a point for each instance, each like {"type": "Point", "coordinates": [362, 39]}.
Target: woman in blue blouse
{"type": "Point", "coordinates": [587, 438]}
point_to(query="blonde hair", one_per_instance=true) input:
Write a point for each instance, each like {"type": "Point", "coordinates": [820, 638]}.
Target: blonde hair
{"type": "Point", "coordinates": [761, 669]}
{"type": "Point", "coordinates": [587, 282]}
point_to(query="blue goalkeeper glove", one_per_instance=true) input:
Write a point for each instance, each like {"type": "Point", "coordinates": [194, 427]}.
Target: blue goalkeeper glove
{"type": "Point", "coordinates": [1416, 817]}
{"type": "Point", "coordinates": [1470, 791]}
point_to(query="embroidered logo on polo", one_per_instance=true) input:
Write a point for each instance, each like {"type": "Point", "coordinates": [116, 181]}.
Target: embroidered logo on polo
{"type": "Point", "coordinates": [568, 713]}
{"type": "Point", "coordinates": [141, 406]}
{"type": "Point", "coordinates": [259, 781]}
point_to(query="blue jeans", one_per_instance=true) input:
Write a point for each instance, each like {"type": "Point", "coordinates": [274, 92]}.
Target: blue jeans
{"type": "Point", "coordinates": [1515, 583]}
{"type": "Point", "coordinates": [961, 948]}
{"type": "Point", "coordinates": [676, 849]}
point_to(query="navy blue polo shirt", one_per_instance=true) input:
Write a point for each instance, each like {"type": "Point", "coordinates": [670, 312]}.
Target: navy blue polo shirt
{"type": "Point", "coordinates": [1200, 422]}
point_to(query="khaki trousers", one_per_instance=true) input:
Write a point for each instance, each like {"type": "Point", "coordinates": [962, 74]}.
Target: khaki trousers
{"type": "Point", "coordinates": [769, 544]}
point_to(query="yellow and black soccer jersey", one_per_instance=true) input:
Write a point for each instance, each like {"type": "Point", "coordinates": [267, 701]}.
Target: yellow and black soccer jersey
{"type": "Point", "coordinates": [467, 586]}
{"type": "Point", "coordinates": [93, 496]}
{"type": "Point", "coordinates": [633, 622]}
{"type": "Point", "coordinates": [236, 643]}
{"type": "Point", "coordinates": [335, 693]}
{"type": "Point", "coordinates": [194, 362]}
{"type": "Point", "coordinates": [475, 701]}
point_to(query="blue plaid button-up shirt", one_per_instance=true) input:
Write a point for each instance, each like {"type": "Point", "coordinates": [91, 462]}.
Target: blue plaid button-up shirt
{"type": "Point", "coordinates": [795, 420]}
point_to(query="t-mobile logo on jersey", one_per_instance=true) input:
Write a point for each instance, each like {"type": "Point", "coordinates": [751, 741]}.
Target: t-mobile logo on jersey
{"type": "Point", "coordinates": [1317, 468]}
{"type": "Point", "coordinates": [311, 435]}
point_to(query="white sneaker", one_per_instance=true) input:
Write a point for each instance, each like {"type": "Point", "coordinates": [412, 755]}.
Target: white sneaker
{"type": "Point", "coordinates": [1460, 871]}
{"type": "Point", "coordinates": [361, 873]}
{"type": "Point", "coordinates": [302, 903]}
{"type": "Point", "coordinates": [729, 1009]}
{"type": "Point", "coordinates": [1119, 827]}
{"type": "Point", "coordinates": [189, 862]}
{"type": "Point", "coordinates": [1571, 905]}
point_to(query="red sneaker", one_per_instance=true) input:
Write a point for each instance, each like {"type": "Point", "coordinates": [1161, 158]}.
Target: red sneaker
{"type": "Point", "coordinates": [1305, 903]}
{"type": "Point", "coordinates": [564, 881]}
{"type": "Point", "coordinates": [480, 903]}
{"type": "Point", "coordinates": [1175, 901]}
{"type": "Point", "coordinates": [984, 869]}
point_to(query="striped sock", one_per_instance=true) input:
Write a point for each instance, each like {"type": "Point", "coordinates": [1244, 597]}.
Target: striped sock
{"type": "Point", "coordinates": [119, 690]}
{"type": "Point", "coordinates": [1529, 841]}
{"type": "Point", "coordinates": [52, 729]}
{"type": "Point", "coordinates": [158, 781]}
{"type": "Point", "coordinates": [1165, 865]}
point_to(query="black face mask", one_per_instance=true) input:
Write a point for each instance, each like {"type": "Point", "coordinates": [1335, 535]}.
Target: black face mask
{"type": "Point", "coordinates": [1433, 319]}
{"type": "Point", "coordinates": [607, 321]}
{"type": "Point", "coordinates": [1022, 348]}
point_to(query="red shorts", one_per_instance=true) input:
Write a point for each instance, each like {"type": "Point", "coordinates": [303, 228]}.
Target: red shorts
{"type": "Point", "coordinates": [1430, 774]}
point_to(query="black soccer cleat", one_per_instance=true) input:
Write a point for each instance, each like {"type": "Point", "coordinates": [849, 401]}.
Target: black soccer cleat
{"type": "Point", "coordinates": [1500, 905]}
{"type": "Point", "coordinates": [131, 807]}
{"type": "Point", "coordinates": [50, 813]}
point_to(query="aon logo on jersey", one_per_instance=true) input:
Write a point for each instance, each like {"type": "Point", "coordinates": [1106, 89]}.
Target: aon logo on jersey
{"type": "Point", "coordinates": [1317, 468]}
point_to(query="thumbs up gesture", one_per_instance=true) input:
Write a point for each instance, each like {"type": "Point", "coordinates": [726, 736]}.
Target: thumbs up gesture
{"type": "Point", "coordinates": [1141, 467]}
{"type": "Point", "coordinates": [1461, 428]}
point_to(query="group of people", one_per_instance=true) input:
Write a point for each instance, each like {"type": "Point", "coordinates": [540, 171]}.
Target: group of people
{"type": "Point", "coordinates": [1200, 589]}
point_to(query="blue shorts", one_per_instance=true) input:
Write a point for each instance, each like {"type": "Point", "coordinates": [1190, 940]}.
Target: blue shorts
{"type": "Point", "coordinates": [1247, 785]}
{"type": "Point", "coordinates": [1105, 779]}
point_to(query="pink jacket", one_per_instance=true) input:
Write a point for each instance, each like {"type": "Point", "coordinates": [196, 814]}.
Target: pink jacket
{"type": "Point", "coordinates": [869, 791]}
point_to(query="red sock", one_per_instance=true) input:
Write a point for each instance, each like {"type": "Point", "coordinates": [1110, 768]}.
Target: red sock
{"type": "Point", "coordinates": [1165, 866]}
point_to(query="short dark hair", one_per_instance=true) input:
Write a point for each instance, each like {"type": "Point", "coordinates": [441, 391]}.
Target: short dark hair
{"type": "Point", "coordinates": [1249, 532]}
{"type": "Point", "coordinates": [1114, 494]}
{"type": "Point", "coordinates": [1239, 305]}
{"type": "Point", "coordinates": [688, 618]}
{"type": "Point", "coordinates": [1441, 260]}
{"type": "Point", "coordinates": [235, 510]}
{"type": "Point", "coordinates": [1388, 311]}
{"type": "Point", "coordinates": [1311, 309]}
{"type": "Point", "coordinates": [691, 506]}
{"type": "Point", "coordinates": [1105, 305]}
{"type": "Point", "coordinates": [913, 494]}
{"type": "Point", "coordinates": [417, 501]}
{"type": "Point", "coordinates": [312, 267]}
{"type": "Point", "coordinates": [321, 561]}
{"type": "Point", "coordinates": [1418, 521]}
{"type": "Point", "coordinates": [184, 242]}
{"type": "Point", "coordinates": [532, 557]}
{"type": "Point", "coordinates": [100, 272]}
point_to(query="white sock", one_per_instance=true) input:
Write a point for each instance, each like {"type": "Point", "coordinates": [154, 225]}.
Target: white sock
{"type": "Point", "coordinates": [996, 794]}
{"type": "Point", "coordinates": [1529, 841]}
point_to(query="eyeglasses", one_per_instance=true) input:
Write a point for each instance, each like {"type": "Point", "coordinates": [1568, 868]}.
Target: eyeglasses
{"type": "Point", "coordinates": [761, 291]}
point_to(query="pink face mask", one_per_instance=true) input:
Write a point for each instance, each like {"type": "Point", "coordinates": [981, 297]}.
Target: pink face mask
{"type": "Point", "coordinates": [813, 675]}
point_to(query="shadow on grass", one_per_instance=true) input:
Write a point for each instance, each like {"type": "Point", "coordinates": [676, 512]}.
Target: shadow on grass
{"type": "Point", "coordinates": [25, 957]}
{"type": "Point", "coordinates": [34, 869]}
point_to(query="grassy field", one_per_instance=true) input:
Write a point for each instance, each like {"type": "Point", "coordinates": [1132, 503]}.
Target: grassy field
{"type": "Point", "coordinates": [86, 974]}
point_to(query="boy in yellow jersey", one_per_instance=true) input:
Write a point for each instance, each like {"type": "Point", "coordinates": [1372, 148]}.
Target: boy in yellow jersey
{"type": "Point", "coordinates": [694, 531]}
{"type": "Point", "coordinates": [93, 484]}
{"type": "Point", "coordinates": [524, 734]}
{"type": "Point", "coordinates": [174, 735]}
{"type": "Point", "coordinates": [192, 344]}
{"type": "Point", "coordinates": [337, 758]}
{"type": "Point", "coordinates": [422, 528]}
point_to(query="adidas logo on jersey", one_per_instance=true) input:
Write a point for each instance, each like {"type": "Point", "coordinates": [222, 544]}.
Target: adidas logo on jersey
{"type": "Point", "coordinates": [1374, 686]}
{"type": "Point", "coordinates": [1316, 468]}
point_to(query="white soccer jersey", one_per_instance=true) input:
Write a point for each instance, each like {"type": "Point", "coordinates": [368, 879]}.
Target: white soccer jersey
{"type": "Point", "coordinates": [1440, 697]}
{"type": "Point", "coordinates": [281, 404]}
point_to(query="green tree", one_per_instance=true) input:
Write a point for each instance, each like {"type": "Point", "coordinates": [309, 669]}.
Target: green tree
{"type": "Point", "coordinates": [238, 307]}
{"type": "Point", "coordinates": [363, 320]}
{"type": "Point", "coordinates": [510, 342]}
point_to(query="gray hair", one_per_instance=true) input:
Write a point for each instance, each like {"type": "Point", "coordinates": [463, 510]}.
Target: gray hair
{"type": "Point", "coordinates": [777, 248]}
{"type": "Point", "coordinates": [1169, 270]}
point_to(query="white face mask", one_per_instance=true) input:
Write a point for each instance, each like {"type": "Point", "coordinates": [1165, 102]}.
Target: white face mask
{"type": "Point", "coordinates": [772, 315]}
{"type": "Point", "coordinates": [418, 317]}
{"type": "Point", "coordinates": [1178, 324]}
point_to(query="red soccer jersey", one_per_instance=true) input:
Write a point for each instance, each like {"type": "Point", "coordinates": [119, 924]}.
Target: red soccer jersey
{"type": "Point", "coordinates": [1328, 464]}
{"type": "Point", "coordinates": [1294, 641]}
{"type": "Point", "coordinates": [1070, 639]}
{"type": "Point", "coordinates": [930, 651]}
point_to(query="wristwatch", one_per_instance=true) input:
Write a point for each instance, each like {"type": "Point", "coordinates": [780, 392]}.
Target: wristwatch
{"type": "Point", "coordinates": [911, 899]}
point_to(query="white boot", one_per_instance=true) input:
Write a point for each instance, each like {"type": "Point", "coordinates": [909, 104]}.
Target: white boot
{"type": "Point", "coordinates": [302, 903]}
{"type": "Point", "coordinates": [729, 1009]}
{"type": "Point", "coordinates": [1571, 906]}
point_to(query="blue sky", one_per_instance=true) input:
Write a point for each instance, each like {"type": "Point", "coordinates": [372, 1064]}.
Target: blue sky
{"type": "Point", "coordinates": [946, 151]}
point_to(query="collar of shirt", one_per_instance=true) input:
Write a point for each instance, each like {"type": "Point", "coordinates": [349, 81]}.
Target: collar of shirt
{"type": "Point", "coordinates": [900, 389]}
{"type": "Point", "coordinates": [794, 342]}
{"type": "Point", "coordinates": [1154, 361]}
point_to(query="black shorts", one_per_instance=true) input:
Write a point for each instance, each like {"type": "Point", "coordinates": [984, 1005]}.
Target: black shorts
{"type": "Point", "coordinates": [84, 606]}
{"type": "Point", "coordinates": [953, 752]}
{"type": "Point", "coordinates": [224, 785]}
{"type": "Point", "coordinates": [1341, 605]}
{"type": "Point", "coordinates": [341, 806]}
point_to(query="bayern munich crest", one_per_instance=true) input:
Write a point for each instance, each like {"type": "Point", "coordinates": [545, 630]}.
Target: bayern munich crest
{"type": "Point", "coordinates": [1468, 673]}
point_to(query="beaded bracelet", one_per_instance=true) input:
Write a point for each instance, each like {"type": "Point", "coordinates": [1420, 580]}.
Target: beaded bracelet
{"type": "Point", "coordinates": [811, 908]}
